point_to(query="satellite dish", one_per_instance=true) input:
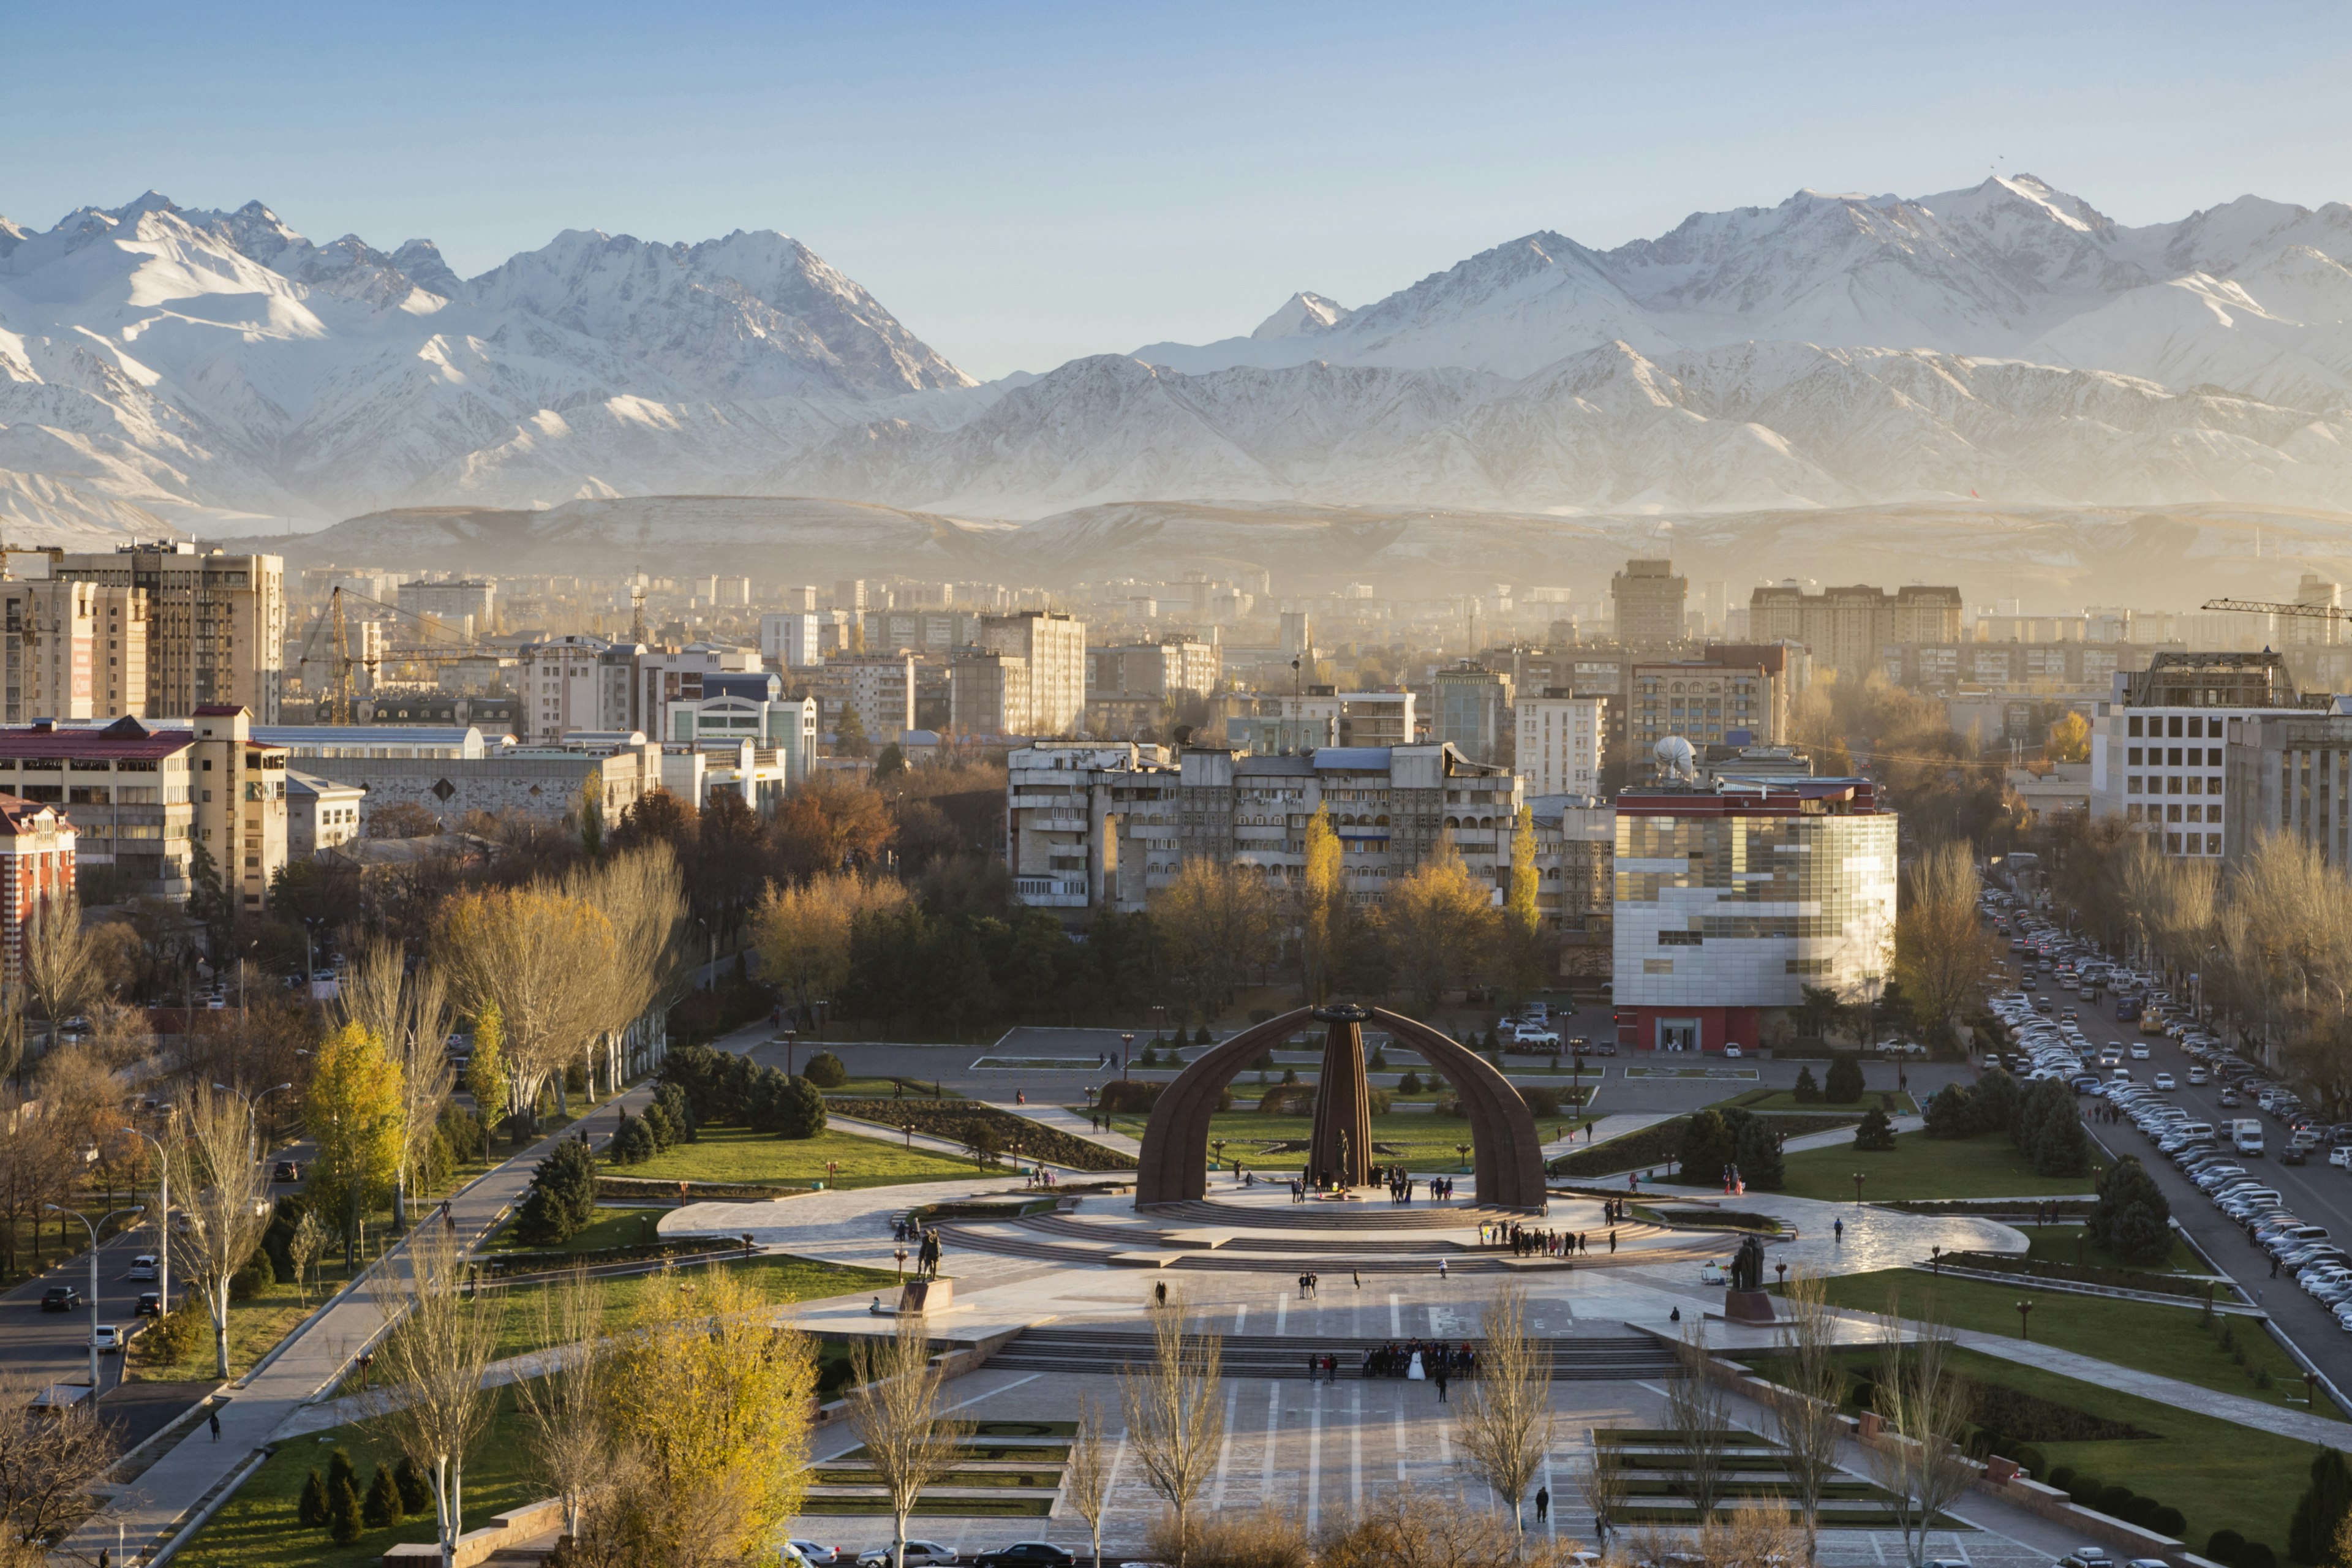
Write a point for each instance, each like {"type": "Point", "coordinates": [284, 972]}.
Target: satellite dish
{"type": "Point", "coordinates": [1676, 758]}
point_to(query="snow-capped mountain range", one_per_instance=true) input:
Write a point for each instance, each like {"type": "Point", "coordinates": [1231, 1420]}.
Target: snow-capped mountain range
{"type": "Point", "coordinates": [2007, 342]}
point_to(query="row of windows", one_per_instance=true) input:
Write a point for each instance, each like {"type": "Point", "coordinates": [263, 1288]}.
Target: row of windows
{"type": "Point", "coordinates": [2196, 784]}
{"type": "Point", "coordinates": [2162, 757]}
{"type": "Point", "coordinates": [2174, 813]}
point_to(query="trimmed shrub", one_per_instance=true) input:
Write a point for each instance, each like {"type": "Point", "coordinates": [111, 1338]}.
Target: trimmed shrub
{"type": "Point", "coordinates": [1756, 1150]}
{"type": "Point", "coordinates": [1844, 1086]}
{"type": "Point", "coordinates": [2319, 1514]}
{"type": "Point", "coordinates": [342, 1512]}
{"type": "Point", "coordinates": [2223, 1546]}
{"type": "Point", "coordinates": [2131, 1219]}
{"type": "Point", "coordinates": [1123, 1096]}
{"type": "Point", "coordinates": [632, 1143]}
{"type": "Point", "coordinates": [2141, 1510]}
{"type": "Point", "coordinates": [1200, 1036]}
{"type": "Point", "coordinates": [825, 1071]}
{"type": "Point", "coordinates": [312, 1510]}
{"type": "Point", "coordinates": [2256, 1554]}
{"type": "Point", "coordinates": [2027, 1457]}
{"type": "Point", "coordinates": [2113, 1500]}
{"type": "Point", "coordinates": [658, 1125]}
{"type": "Point", "coordinates": [1542, 1102]}
{"type": "Point", "coordinates": [1290, 1075]}
{"type": "Point", "coordinates": [1809, 1090]}
{"type": "Point", "coordinates": [2169, 1521]}
{"type": "Point", "coordinates": [252, 1279]}
{"type": "Point", "coordinates": [415, 1496]}
{"type": "Point", "coordinates": [563, 1196]}
{"type": "Point", "coordinates": [381, 1508]}
{"type": "Point", "coordinates": [1408, 1084]}
{"type": "Point", "coordinates": [1877, 1133]}
{"type": "Point", "coordinates": [2059, 1477]}
{"type": "Point", "coordinates": [2085, 1491]}
{"type": "Point", "coordinates": [1950, 1111]}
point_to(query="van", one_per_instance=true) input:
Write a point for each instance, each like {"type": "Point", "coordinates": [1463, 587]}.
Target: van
{"type": "Point", "coordinates": [2246, 1137]}
{"type": "Point", "coordinates": [2151, 1021]}
{"type": "Point", "coordinates": [2195, 1129]}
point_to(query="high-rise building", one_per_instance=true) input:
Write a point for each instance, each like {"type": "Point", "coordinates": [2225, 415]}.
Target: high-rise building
{"type": "Point", "coordinates": [1474, 712]}
{"type": "Point", "coordinates": [2156, 743]}
{"type": "Point", "coordinates": [988, 693]}
{"type": "Point", "coordinates": [37, 876]}
{"type": "Point", "coordinates": [1054, 648]}
{"type": "Point", "coordinates": [801, 597]}
{"type": "Point", "coordinates": [463, 603]}
{"type": "Point", "coordinates": [2319, 594]}
{"type": "Point", "coordinates": [1561, 738]}
{"type": "Point", "coordinates": [1731, 901]}
{"type": "Point", "coordinates": [574, 683]}
{"type": "Point", "coordinates": [849, 594]}
{"type": "Point", "coordinates": [791, 640]}
{"type": "Point", "coordinates": [1649, 600]}
{"type": "Point", "coordinates": [1734, 697]}
{"type": "Point", "coordinates": [1297, 635]}
{"type": "Point", "coordinates": [215, 623]}
{"type": "Point", "coordinates": [73, 650]}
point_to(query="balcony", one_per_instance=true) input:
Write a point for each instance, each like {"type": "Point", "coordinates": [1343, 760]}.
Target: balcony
{"type": "Point", "coordinates": [1051, 893]}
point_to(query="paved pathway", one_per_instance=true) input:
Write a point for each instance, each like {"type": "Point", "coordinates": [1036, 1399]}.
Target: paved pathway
{"type": "Point", "coordinates": [1837, 1136]}
{"type": "Point", "coordinates": [1605, 1129]}
{"type": "Point", "coordinates": [2171, 1390]}
{"type": "Point", "coordinates": [1062, 1119]}
{"type": "Point", "coordinates": [316, 1356]}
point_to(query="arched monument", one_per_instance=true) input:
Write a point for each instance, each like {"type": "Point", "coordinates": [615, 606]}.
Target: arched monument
{"type": "Point", "coordinates": [1506, 1151]}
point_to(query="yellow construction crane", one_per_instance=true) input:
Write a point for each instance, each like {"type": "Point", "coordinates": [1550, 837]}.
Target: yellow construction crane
{"type": "Point", "coordinates": [341, 682]}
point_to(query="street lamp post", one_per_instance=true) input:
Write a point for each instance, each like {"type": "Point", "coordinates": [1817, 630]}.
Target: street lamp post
{"type": "Point", "coordinates": [1126, 1050]}
{"type": "Point", "coordinates": [2024, 1311]}
{"type": "Point", "coordinates": [1858, 1178]}
{"type": "Point", "coordinates": [59, 1209]}
{"type": "Point", "coordinates": [1217, 1147]}
{"type": "Point", "coordinates": [253, 1115]}
{"type": "Point", "coordinates": [790, 1036]}
{"type": "Point", "coordinates": [819, 1004]}
{"type": "Point", "coordinates": [1463, 1150]}
{"type": "Point", "coordinates": [162, 1219]}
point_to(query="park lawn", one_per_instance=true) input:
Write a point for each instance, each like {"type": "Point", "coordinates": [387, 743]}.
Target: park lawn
{"type": "Point", "coordinates": [611, 1227]}
{"type": "Point", "coordinates": [255, 1328]}
{"type": "Point", "coordinates": [736, 1154]}
{"type": "Point", "coordinates": [1919, 1166]}
{"type": "Point", "coordinates": [2170, 1342]}
{"type": "Point", "coordinates": [783, 1279]}
{"type": "Point", "coordinates": [2055, 1243]}
{"type": "Point", "coordinates": [2221, 1475]}
{"type": "Point", "coordinates": [258, 1527]}
{"type": "Point", "coordinates": [886, 1088]}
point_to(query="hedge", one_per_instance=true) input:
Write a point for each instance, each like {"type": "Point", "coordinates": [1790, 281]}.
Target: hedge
{"type": "Point", "coordinates": [951, 1119]}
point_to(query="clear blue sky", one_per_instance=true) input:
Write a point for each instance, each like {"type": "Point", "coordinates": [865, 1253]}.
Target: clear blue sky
{"type": "Point", "coordinates": [1022, 183]}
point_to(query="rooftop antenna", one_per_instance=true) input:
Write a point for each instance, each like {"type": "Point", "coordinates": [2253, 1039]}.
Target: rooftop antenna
{"type": "Point", "coordinates": [637, 607]}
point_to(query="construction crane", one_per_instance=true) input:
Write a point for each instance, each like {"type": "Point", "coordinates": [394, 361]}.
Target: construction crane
{"type": "Point", "coordinates": [2271, 607]}
{"type": "Point", "coordinates": [343, 663]}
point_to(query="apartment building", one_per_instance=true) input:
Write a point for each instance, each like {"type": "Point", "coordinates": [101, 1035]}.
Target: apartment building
{"type": "Point", "coordinates": [575, 682]}
{"type": "Point", "coordinates": [922, 631]}
{"type": "Point", "coordinates": [215, 623]}
{"type": "Point", "coordinates": [1730, 900]}
{"type": "Point", "coordinates": [468, 605]}
{"type": "Point", "coordinates": [72, 649]}
{"type": "Point", "coordinates": [320, 813]}
{"type": "Point", "coordinates": [790, 641]}
{"type": "Point", "coordinates": [37, 875]}
{"type": "Point", "coordinates": [2156, 743]}
{"type": "Point", "coordinates": [1096, 825]}
{"type": "Point", "coordinates": [1846, 628]}
{"type": "Point", "coordinates": [1724, 700]}
{"type": "Point", "coordinates": [881, 688]}
{"type": "Point", "coordinates": [1650, 603]}
{"type": "Point", "coordinates": [667, 675]}
{"type": "Point", "coordinates": [988, 694]}
{"type": "Point", "coordinates": [1560, 742]}
{"type": "Point", "coordinates": [1053, 648]}
{"type": "Point", "coordinates": [2291, 776]}
{"type": "Point", "coordinates": [1164, 669]}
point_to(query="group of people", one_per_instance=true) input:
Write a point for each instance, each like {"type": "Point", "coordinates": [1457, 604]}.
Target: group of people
{"type": "Point", "coordinates": [1038, 1176]}
{"type": "Point", "coordinates": [1307, 1284]}
{"type": "Point", "coordinates": [1438, 1359]}
{"type": "Point", "coordinates": [1529, 1241]}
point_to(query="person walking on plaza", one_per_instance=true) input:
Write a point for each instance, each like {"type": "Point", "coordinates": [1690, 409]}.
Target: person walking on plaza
{"type": "Point", "coordinates": [1439, 1375]}
{"type": "Point", "coordinates": [1543, 1504]}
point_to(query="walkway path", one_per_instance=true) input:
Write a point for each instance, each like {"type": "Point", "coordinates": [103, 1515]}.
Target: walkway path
{"type": "Point", "coordinates": [1062, 1119]}
{"type": "Point", "coordinates": [1837, 1136]}
{"type": "Point", "coordinates": [2171, 1390]}
{"type": "Point", "coordinates": [926, 1142]}
{"type": "Point", "coordinates": [318, 1355]}
{"type": "Point", "coordinates": [1606, 1128]}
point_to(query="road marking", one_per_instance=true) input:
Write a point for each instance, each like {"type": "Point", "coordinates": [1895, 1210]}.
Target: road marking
{"type": "Point", "coordinates": [1281, 1315]}
{"type": "Point", "coordinates": [1355, 1451]}
{"type": "Point", "coordinates": [1396, 1318]}
{"type": "Point", "coordinates": [1225, 1448]}
{"type": "Point", "coordinates": [1273, 1436]}
{"type": "Point", "coordinates": [1314, 1465]}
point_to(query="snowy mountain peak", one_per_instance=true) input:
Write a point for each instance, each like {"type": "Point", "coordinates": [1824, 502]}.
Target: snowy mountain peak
{"type": "Point", "coordinates": [1302, 315]}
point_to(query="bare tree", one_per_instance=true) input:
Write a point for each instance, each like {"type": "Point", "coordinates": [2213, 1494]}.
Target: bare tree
{"type": "Point", "coordinates": [1503, 1419]}
{"type": "Point", "coordinates": [1696, 1413]}
{"type": "Point", "coordinates": [1919, 1461]}
{"type": "Point", "coordinates": [429, 1398]}
{"type": "Point", "coordinates": [1174, 1419]}
{"type": "Point", "coordinates": [891, 1410]}
{"type": "Point", "coordinates": [222, 1203]}
{"type": "Point", "coordinates": [1806, 1409]}
{"type": "Point", "coordinates": [303, 1251]}
{"type": "Point", "coordinates": [49, 1460]}
{"type": "Point", "coordinates": [60, 961]}
{"type": "Point", "coordinates": [411, 1013]}
{"type": "Point", "coordinates": [1605, 1484]}
{"type": "Point", "coordinates": [1086, 1481]}
{"type": "Point", "coordinates": [536, 954]}
{"type": "Point", "coordinates": [1219, 919]}
{"type": "Point", "coordinates": [564, 1405]}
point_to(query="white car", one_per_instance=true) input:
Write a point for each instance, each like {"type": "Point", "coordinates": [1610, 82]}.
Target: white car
{"type": "Point", "coordinates": [2138, 1052]}
{"type": "Point", "coordinates": [142, 1267]}
{"type": "Point", "coordinates": [2163, 1080]}
{"type": "Point", "coordinates": [817, 1556]}
{"type": "Point", "coordinates": [106, 1338]}
{"type": "Point", "coordinates": [1524, 1032]}
{"type": "Point", "coordinates": [2198, 1076]}
{"type": "Point", "coordinates": [919, 1554]}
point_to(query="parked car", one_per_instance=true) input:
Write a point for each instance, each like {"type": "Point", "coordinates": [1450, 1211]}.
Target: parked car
{"type": "Point", "coordinates": [919, 1554]}
{"type": "Point", "coordinates": [1025, 1554]}
{"type": "Point", "coordinates": [817, 1556]}
{"type": "Point", "coordinates": [60, 1299]}
{"type": "Point", "coordinates": [287, 1170]}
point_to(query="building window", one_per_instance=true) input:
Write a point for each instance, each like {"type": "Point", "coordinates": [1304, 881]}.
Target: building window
{"type": "Point", "coordinates": [2135, 727]}
{"type": "Point", "coordinates": [2212, 843]}
{"type": "Point", "coordinates": [2131, 785]}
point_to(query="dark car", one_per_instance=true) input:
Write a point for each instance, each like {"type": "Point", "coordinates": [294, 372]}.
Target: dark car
{"type": "Point", "coordinates": [1025, 1554]}
{"type": "Point", "coordinates": [286, 1171]}
{"type": "Point", "coordinates": [150, 1304]}
{"type": "Point", "coordinates": [60, 1299]}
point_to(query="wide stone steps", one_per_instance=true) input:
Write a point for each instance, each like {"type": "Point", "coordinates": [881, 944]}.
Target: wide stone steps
{"type": "Point", "coordinates": [1596, 1358]}
{"type": "Point", "coordinates": [1125, 1239]}
{"type": "Point", "coordinates": [1369, 1213]}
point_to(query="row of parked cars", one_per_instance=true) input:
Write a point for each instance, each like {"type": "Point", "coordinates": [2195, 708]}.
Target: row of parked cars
{"type": "Point", "coordinates": [930, 1554]}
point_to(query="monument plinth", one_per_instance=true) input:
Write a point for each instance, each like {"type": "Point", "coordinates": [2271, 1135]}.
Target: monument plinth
{"type": "Point", "coordinates": [1341, 1149]}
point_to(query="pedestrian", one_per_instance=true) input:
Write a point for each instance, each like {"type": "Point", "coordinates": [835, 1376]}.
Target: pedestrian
{"type": "Point", "coordinates": [1612, 1241]}
{"type": "Point", "coordinates": [1440, 1268]}
{"type": "Point", "coordinates": [1440, 1375]}
{"type": "Point", "coordinates": [1359, 1278]}
{"type": "Point", "coordinates": [214, 1418]}
{"type": "Point", "coordinates": [1160, 1292]}
{"type": "Point", "coordinates": [1543, 1504]}
{"type": "Point", "coordinates": [1839, 1227]}
{"type": "Point", "coordinates": [1314, 1367]}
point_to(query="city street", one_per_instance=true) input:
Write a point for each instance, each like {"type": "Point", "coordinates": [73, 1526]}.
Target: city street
{"type": "Point", "coordinates": [2318, 1192]}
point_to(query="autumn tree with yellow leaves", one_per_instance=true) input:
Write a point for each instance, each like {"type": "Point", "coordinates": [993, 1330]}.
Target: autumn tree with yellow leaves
{"type": "Point", "coordinates": [539, 955]}
{"type": "Point", "coordinates": [356, 1114]}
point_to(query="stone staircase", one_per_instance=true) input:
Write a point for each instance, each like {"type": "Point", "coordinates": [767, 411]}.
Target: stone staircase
{"type": "Point", "coordinates": [1578, 1358]}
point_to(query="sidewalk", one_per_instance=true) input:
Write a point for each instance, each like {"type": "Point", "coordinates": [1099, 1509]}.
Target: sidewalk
{"type": "Point", "coordinates": [1836, 1136]}
{"type": "Point", "coordinates": [317, 1355]}
{"type": "Point", "coordinates": [2164, 1390]}
{"type": "Point", "coordinates": [1607, 1128]}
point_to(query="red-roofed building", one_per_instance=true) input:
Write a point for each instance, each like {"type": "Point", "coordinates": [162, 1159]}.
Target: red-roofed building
{"type": "Point", "coordinates": [37, 871]}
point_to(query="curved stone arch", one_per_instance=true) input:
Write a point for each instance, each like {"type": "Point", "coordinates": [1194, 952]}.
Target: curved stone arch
{"type": "Point", "coordinates": [1507, 1152]}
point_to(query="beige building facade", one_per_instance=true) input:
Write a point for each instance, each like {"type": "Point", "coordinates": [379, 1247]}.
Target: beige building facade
{"type": "Point", "coordinates": [215, 623]}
